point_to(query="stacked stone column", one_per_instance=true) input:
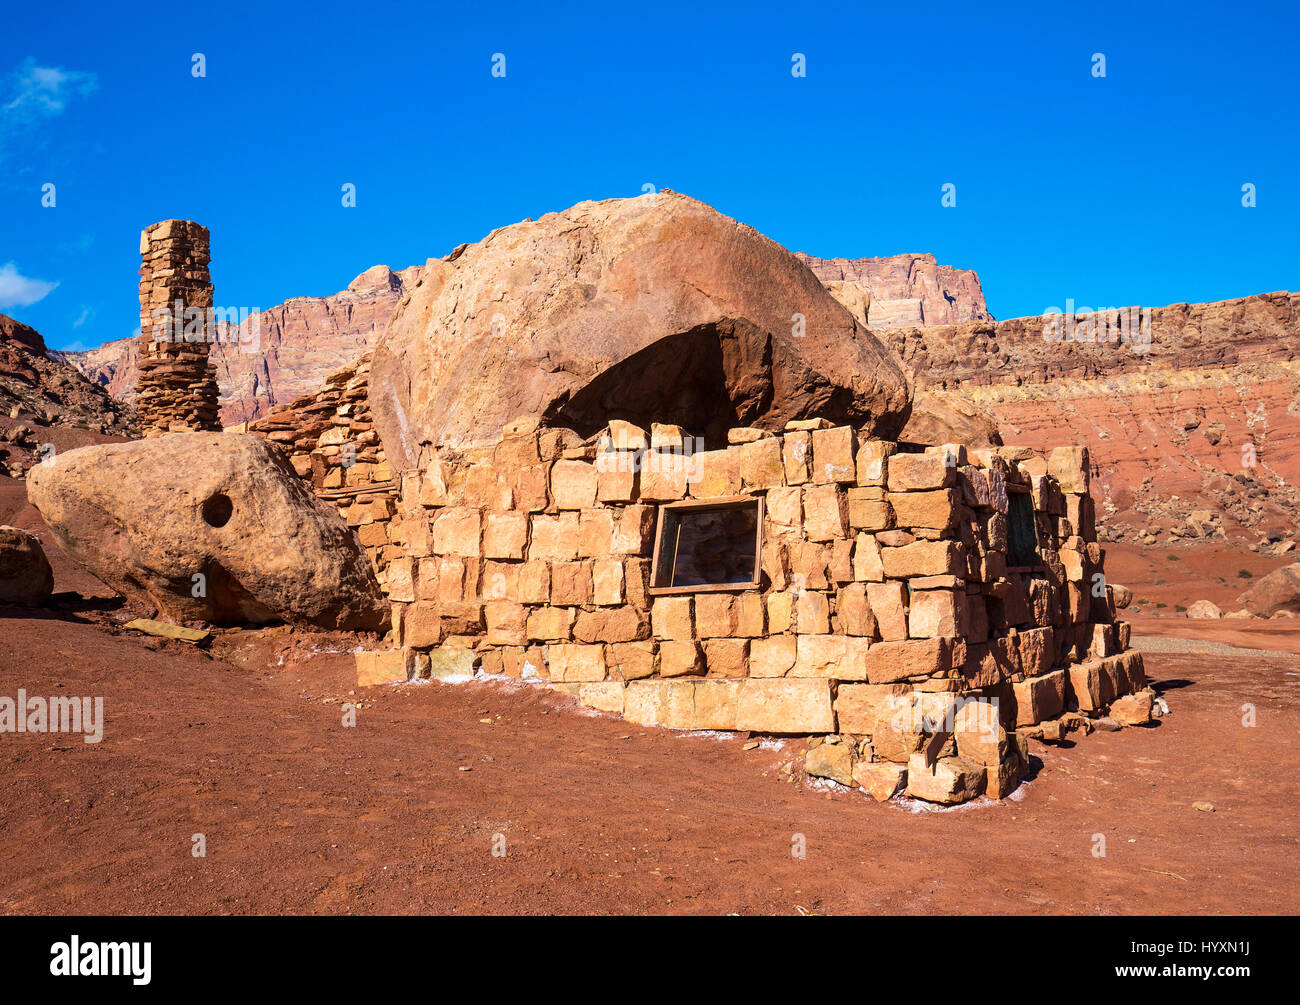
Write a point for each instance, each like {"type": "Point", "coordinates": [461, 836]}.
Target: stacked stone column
{"type": "Point", "coordinates": [177, 388]}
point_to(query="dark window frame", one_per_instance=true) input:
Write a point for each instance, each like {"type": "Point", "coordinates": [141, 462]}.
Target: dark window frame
{"type": "Point", "coordinates": [1037, 565]}
{"type": "Point", "coordinates": [666, 511]}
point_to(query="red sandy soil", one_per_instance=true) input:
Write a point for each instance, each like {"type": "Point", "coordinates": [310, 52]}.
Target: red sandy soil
{"type": "Point", "coordinates": [245, 745]}
{"type": "Point", "coordinates": [1206, 572]}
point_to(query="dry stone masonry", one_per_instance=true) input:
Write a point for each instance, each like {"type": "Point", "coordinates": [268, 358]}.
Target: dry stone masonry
{"type": "Point", "coordinates": [330, 439]}
{"type": "Point", "coordinates": [925, 612]}
{"type": "Point", "coordinates": [177, 387]}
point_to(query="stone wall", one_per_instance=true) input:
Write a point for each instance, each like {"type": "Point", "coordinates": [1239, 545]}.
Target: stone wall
{"type": "Point", "coordinates": [330, 439]}
{"type": "Point", "coordinates": [886, 611]}
{"type": "Point", "coordinates": [886, 618]}
{"type": "Point", "coordinates": [177, 386]}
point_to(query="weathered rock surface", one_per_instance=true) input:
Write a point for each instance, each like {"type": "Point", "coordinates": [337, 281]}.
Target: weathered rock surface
{"type": "Point", "coordinates": [47, 405]}
{"type": "Point", "coordinates": [219, 515]}
{"type": "Point", "coordinates": [1204, 610]}
{"type": "Point", "coordinates": [830, 760]}
{"type": "Point", "coordinates": [649, 309]}
{"type": "Point", "coordinates": [25, 575]}
{"type": "Point", "coordinates": [939, 419]}
{"type": "Point", "coordinates": [1132, 709]}
{"type": "Point", "coordinates": [881, 780]}
{"type": "Point", "coordinates": [906, 290]}
{"type": "Point", "coordinates": [948, 780]}
{"type": "Point", "coordinates": [1278, 591]}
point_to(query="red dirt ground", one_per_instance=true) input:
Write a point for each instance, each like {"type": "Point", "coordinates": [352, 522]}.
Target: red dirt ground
{"type": "Point", "coordinates": [245, 745]}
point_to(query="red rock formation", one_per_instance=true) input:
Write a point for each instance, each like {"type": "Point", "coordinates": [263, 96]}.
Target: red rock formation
{"type": "Point", "coordinates": [47, 405]}
{"type": "Point", "coordinates": [1196, 437]}
{"type": "Point", "coordinates": [647, 309]}
{"type": "Point", "coordinates": [907, 289]}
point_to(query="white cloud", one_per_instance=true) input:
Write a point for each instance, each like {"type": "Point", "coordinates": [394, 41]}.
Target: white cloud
{"type": "Point", "coordinates": [40, 92]}
{"type": "Point", "coordinates": [82, 318]}
{"type": "Point", "coordinates": [17, 290]}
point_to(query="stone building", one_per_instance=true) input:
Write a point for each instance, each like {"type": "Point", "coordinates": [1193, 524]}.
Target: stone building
{"type": "Point", "coordinates": [928, 604]}
{"type": "Point", "coordinates": [657, 469]}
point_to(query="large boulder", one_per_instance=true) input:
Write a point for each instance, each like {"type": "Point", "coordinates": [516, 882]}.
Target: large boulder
{"type": "Point", "coordinates": [942, 418]}
{"type": "Point", "coordinates": [209, 527]}
{"type": "Point", "coordinates": [653, 309]}
{"type": "Point", "coordinates": [25, 575]}
{"type": "Point", "coordinates": [1278, 591]}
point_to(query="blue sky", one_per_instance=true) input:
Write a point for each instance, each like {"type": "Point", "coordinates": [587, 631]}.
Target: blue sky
{"type": "Point", "coordinates": [1122, 190]}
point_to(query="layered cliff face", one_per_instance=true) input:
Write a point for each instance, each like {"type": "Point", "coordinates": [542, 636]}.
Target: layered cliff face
{"type": "Point", "coordinates": [1192, 415]}
{"type": "Point", "coordinates": [278, 354]}
{"type": "Point", "coordinates": [46, 405]}
{"type": "Point", "coordinates": [907, 290]}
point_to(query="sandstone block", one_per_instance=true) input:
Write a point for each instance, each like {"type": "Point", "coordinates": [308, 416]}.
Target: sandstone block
{"type": "Point", "coordinates": [726, 657]}
{"type": "Point", "coordinates": [576, 663]}
{"type": "Point", "coordinates": [680, 659]}
{"type": "Point", "coordinates": [573, 484]}
{"type": "Point", "coordinates": [867, 563]}
{"type": "Point", "coordinates": [554, 538]}
{"type": "Point", "coordinates": [923, 558]}
{"type": "Point", "coordinates": [796, 457]}
{"type": "Point", "coordinates": [812, 613]}
{"type": "Point", "coordinates": [715, 704]}
{"type": "Point", "coordinates": [888, 602]}
{"type": "Point", "coordinates": [761, 465]}
{"type": "Point", "coordinates": [887, 662]}
{"type": "Point", "coordinates": [550, 624]}
{"type": "Point", "coordinates": [634, 531]}
{"type": "Point", "coordinates": [854, 612]}
{"type": "Point", "coordinates": [507, 623]}
{"type": "Point", "coordinates": [631, 660]}
{"type": "Point", "coordinates": [457, 531]}
{"type": "Point", "coordinates": [833, 455]}
{"type": "Point", "coordinates": [859, 706]}
{"type": "Point", "coordinates": [872, 461]}
{"type": "Point", "coordinates": [607, 696]}
{"type": "Point", "coordinates": [534, 583]}
{"type": "Point", "coordinates": [1039, 698]}
{"type": "Point", "coordinates": [595, 533]}
{"type": "Point", "coordinates": [781, 705]}
{"type": "Point", "coordinates": [935, 613]}
{"type": "Point", "coordinates": [830, 760]}
{"type": "Point", "coordinates": [714, 615]}
{"type": "Point", "coordinates": [948, 781]}
{"type": "Point", "coordinates": [384, 666]}
{"type": "Point", "coordinates": [919, 472]}
{"type": "Point", "coordinates": [607, 581]}
{"type": "Point", "coordinates": [785, 506]}
{"type": "Point", "coordinates": [671, 617]}
{"type": "Point", "coordinates": [505, 535]}
{"type": "Point", "coordinates": [667, 703]}
{"type": "Point", "coordinates": [571, 583]}
{"type": "Point", "coordinates": [773, 656]}
{"type": "Point", "coordinates": [881, 780]}
{"type": "Point", "coordinates": [1070, 467]}
{"type": "Point", "coordinates": [938, 509]}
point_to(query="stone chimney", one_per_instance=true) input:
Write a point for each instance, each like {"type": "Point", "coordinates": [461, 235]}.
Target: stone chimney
{"type": "Point", "coordinates": [177, 388]}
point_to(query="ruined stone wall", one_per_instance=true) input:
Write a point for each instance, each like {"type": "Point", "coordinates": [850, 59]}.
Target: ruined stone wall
{"type": "Point", "coordinates": [330, 439]}
{"type": "Point", "coordinates": [177, 387]}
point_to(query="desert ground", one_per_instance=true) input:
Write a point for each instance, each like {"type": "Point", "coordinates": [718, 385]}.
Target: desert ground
{"type": "Point", "coordinates": [244, 743]}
